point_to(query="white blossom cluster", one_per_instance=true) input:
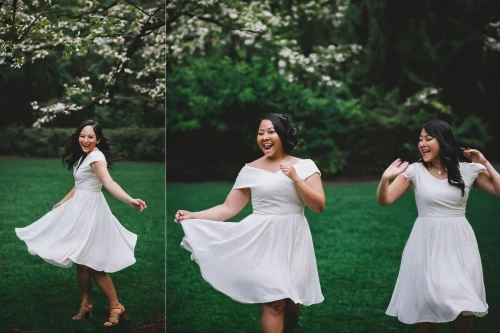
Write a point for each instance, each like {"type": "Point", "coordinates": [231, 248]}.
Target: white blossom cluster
{"type": "Point", "coordinates": [425, 96]}
{"type": "Point", "coordinates": [317, 10]}
{"type": "Point", "coordinates": [82, 87]}
{"type": "Point", "coordinates": [493, 43]}
{"type": "Point", "coordinates": [256, 25]}
{"type": "Point", "coordinates": [317, 64]}
{"type": "Point", "coordinates": [50, 112]}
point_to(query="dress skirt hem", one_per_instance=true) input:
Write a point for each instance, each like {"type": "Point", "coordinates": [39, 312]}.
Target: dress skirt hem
{"type": "Point", "coordinates": [440, 274]}
{"type": "Point", "coordinates": [187, 246]}
{"type": "Point", "coordinates": [434, 320]}
{"type": "Point", "coordinates": [68, 261]}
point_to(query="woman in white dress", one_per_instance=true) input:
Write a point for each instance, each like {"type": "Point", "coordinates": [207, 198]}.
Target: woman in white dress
{"type": "Point", "coordinates": [440, 277]}
{"type": "Point", "coordinates": [81, 228]}
{"type": "Point", "coordinates": [268, 257]}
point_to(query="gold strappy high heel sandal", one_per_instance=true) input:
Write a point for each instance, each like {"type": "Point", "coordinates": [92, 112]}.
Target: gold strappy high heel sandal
{"type": "Point", "coordinates": [85, 311]}
{"type": "Point", "coordinates": [114, 316]}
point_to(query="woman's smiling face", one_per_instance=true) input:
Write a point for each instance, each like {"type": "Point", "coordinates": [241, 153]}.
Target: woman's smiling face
{"type": "Point", "coordinates": [87, 139]}
{"type": "Point", "coordinates": [428, 146]}
{"type": "Point", "coordinates": [268, 139]}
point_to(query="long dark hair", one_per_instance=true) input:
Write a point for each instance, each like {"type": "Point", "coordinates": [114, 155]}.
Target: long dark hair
{"type": "Point", "coordinates": [285, 130]}
{"type": "Point", "coordinates": [449, 151]}
{"type": "Point", "coordinates": [74, 151]}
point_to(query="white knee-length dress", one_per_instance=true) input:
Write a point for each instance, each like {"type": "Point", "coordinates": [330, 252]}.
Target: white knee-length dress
{"type": "Point", "coordinates": [267, 256]}
{"type": "Point", "coordinates": [441, 273]}
{"type": "Point", "coordinates": [82, 230]}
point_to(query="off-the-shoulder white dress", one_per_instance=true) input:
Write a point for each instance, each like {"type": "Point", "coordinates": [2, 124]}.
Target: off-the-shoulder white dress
{"type": "Point", "coordinates": [267, 256]}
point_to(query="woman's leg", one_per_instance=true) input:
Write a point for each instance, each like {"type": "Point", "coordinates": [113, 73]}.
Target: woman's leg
{"type": "Point", "coordinates": [273, 317]}
{"type": "Point", "coordinates": [84, 283]}
{"type": "Point", "coordinates": [292, 312]}
{"type": "Point", "coordinates": [106, 285]}
{"type": "Point", "coordinates": [85, 286]}
{"type": "Point", "coordinates": [427, 327]}
{"type": "Point", "coordinates": [463, 323]}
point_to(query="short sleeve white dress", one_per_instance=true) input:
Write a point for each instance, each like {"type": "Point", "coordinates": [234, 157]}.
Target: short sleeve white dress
{"type": "Point", "coordinates": [440, 274]}
{"type": "Point", "coordinates": [267, 256]}
{"type": "Point", "coordinates": [82, 230]}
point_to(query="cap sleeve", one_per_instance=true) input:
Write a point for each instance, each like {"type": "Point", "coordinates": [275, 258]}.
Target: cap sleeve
{"type": "Point", "coordinates": [306, 168]}
{"type": "Point", "coordinates": [94, 156]}
{"type": "Point", "coordinates": [471, 171]}
{"type": "Point", "coordinates": [247, 177]}
{"type": "Point", "coordinates": [411, 171]}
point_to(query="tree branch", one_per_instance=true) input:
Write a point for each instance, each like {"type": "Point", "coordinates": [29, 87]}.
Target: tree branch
{"type": "Point", "coordinates": [109, 89]}
{"type": "Point", "coordinates": [136, 97]}
{"type": "Point", "coordinates": [85, 60]}
{"type": "Point", "coordinates": [145, 30]}
{"type": "Point", "coordinates": [14, 7]}
{"type": "Point", "coordinates": [137, 7]}
{"type": "Point", "coordinates": [149, 27]}
{"type": "Point", "coordinates": [32, 23]}
{"type": "Point", "coordinates": [154, 13]}
{"type": "Point", "coordinates": [130, 52]}
{"type": "Point", "coordinates": [121, 67]}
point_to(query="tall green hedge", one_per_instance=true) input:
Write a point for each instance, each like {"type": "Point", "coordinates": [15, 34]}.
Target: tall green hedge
{"type": "Point", "coordinates": [136, 144]}
{"type": "Point", "coordinates": [214, 106]}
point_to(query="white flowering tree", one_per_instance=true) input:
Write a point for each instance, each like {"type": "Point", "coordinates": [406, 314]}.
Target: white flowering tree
{"type": "Point", "coordinates": [356, 71]}
{"type": "Point", "coordinates": [117, 46]}
{"type": "Point", "coordinates": [228, 61]}
{"type": "Point", "coordinates": [275, 28]}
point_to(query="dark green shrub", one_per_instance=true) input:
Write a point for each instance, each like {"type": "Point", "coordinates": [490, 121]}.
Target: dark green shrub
{"type": "Point", "coordinates": [214, 106]}
{"type": "Point", "coordinates": [146, 144]}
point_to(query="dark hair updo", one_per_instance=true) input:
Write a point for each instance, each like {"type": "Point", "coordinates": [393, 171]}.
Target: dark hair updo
{"type": "Point", "coordinates": [285, 129]}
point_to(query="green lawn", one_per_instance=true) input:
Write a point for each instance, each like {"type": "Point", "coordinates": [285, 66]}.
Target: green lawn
{"type": "Point", "coordinates": [38, 297]}
{"type": "Point", "coordinates": [358, 248]}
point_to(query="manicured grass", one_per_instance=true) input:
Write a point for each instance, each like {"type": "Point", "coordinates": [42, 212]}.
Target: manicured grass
{"type": "Point", "coordinates": [358, 248]}
{"type": "Point", "coordinates": [38, 297]}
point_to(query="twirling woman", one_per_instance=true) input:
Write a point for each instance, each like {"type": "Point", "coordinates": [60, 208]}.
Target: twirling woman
{"type": "Point", "coordinates": [440, 277]}
{"type": "Point", "coordinates": [268, 257]}
{"type": "Point", "coordinates": [81, 228]}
